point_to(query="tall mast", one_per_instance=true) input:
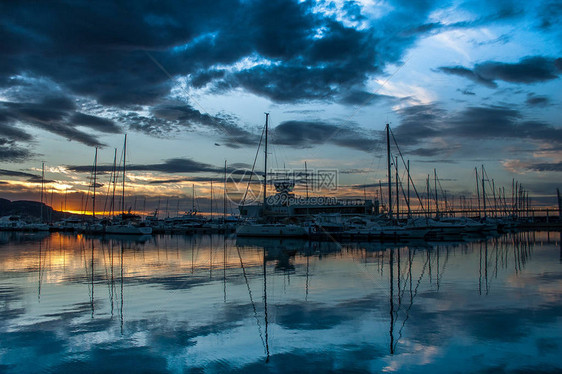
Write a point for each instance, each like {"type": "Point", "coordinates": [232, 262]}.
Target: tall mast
{"type": "Point", "coordinates": [495, 213]}
{"type": "Point", "coordinates": [428, 197]}
{"type": "Point", "coordinates": [94, 185]}
{"type": "Point", "coordinates": [522, 201]}
{"type": "Point", "coordinates": [483, 193]}
{"type": "Point", "coordinates": [306, 179]}
{"type": "Point", "coordinates": [409, 207]}
{"type": "Point", "coordinates": [389, 171]}
{"type": "Point", "coordinates": [306, 184]}
{"type": "Point", "coordinates": [380, 193]}
{"type": "Point", "coordinates": [211, 200]}
{"type": "Point", "coordinates": [193, 198]}
{"type": "Point", "coordinates": [42, 185]}
{"type": "Point", "coordinates": [528, 203]}
{"type": "Point", "coordinates": [477, 190]}
{"type": "Point", "coordinates": [114, 183]}
{"type": "Point", "coordinates": [436, 198]}
{"type": "Point", "coordinates": [513, 196]}
{"type": "Point", "coordinates": [397, 191]}
{"type": "Point", "coordinates": [224, 196]}
{"type": "Point", "coordinates": [265, 163]}
{"type": "Point", "coordinates": [124, 174]}
{"type": "Point", "coordinates": [516, 202]}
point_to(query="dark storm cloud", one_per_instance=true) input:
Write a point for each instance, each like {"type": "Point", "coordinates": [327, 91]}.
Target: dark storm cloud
{"type": "Point", "coordinates": [55, 114]}
{"type": "Point", "coordinates": [360, 97]}
{"type": "Point", "coordinates": [546, 167]}
{"type": "Point", "coordinates": [423, 123]}
{"type": "Point", "coordinates": [306, 134]}
{"type": "Point", "coordinates": [245, 177]}
{"type": "Point", "coordinates": [32, 178]}
{"type": "Point", "coordinates": [174, 165]}
{"type": "Point", "coordinates": [172, 116]}
{"type": "Point", "coordinates": [124, 55]}
{"type": "Point", "coordinates": [320, 68]}
{"type": "Point", "coordinates": [95, 123]}
{"type": "Point", "coordinates": [149, 125]}
{"type": "Point", "coordinates": [488, 13]}
{"type": "Point", "coordinates": [98, 49]}
{"type": "Point", "coordinates": [116, 53]}
{"type": "Point", "coordinates": [528, 70]}
{"type": "Point", "coordinates": [467, 73]}
{"type": "Point", "coordinates": [10, 152]}
{"type": "Point", "coordinates": [11, 173]}
{"type": "Point", "coordinates": [181, 180]}
{"type": "Point", "coordinates": [550, 14]}
{"type": "Point", "coordinates": [227, 126]}
{"type": "Point", "coordinates": [419, 122]}
{"type": "Point", "coordinates": [466, 92]}
{"type": "Point", "coordinates": [539, 101]}
{"type": "Point", "coordinates": [426, 152]}
{"type": "Point", "coordinates": [13, 133]}
{"type": "Point", "coordinates": [500, 123]}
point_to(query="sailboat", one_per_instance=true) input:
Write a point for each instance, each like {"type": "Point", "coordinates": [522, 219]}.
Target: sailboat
{"type": "Point", "coordinates": [269, 229]}
{"type": "Point", "coordinates": [94, 227]}
{"type": "Point", "coordinates": [286, 205]}
{"type": "Point", "coordinates": [38, 226]}
{"type": "Point", "coordinates": [126, 223]}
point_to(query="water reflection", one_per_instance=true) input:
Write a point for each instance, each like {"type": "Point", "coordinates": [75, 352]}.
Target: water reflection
{"type": "Point", "coordinates": [176, 303]}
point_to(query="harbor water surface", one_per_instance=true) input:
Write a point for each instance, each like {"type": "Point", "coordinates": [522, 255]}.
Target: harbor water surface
{"type": "Point", "coordinates": [212, 304]}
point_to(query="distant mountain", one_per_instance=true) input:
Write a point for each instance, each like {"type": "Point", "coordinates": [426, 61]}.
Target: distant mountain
{"type": "Point", "coordinates": [30, 210]}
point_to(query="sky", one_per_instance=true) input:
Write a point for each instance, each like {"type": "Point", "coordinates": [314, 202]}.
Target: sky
{"type": "Point", "coordinates": [461, 83]}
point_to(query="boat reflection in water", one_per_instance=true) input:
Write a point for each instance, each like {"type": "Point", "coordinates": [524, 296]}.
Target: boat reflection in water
{"type": "Point", "coordinates": [216, 304]}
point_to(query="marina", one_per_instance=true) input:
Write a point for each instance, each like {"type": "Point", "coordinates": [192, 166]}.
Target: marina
{"type": "Point", "coordinates": [280, 186]}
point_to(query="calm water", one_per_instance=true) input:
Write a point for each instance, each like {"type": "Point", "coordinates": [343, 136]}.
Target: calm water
{"type": "Point", "coordinates": [205, 304]}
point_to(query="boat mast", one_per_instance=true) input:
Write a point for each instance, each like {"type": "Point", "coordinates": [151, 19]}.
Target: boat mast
{"type": "Point", "coordinates": [477, 190]}
{"type": "Point", "coordinates": [94, 185]}
{"type": "Point", "coordinates": [124, 173]}
{"type": "Point", "coordinates": [495, 212]}
{"type": "Point", "coordinates": [409, 208]}
{"type": "Point", "coordinates": [513, 196]}
{"type": "Point", "coordinates": [397, 191]}
{"type": "Point", "coordinates": [211, 200]}
{"type": "Point", "coordinates": [42, 185]}
{"type": "Point", "coordinates": [380, 193]}
{"type": "Point", "coordinates": [428, 197]}
{"type": "Point", "coordinates": [224, 196]}
{"type": "Point", "coordinates": [389, 171]}
{"type": "Point", "coordinates": [114, 183]}
{"type": "Point", "coordinates": [265, 163]}
{"type": "Point", "coordinates": [483, 193]}
{"type": "Point", "coordinates": [193, 198]}
{"type": "Point", "coordinates": [306, 180]}
{"type": "Point", "coordinates": [306, 184]}
{"type": "Point", "coordinates": [436, 198]}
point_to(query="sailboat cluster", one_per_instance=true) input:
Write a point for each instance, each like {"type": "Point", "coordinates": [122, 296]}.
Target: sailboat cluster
{"type": "Point", "coordinates": [320, 218]}
{"type": "Point", "coordinates": [363, 220]}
